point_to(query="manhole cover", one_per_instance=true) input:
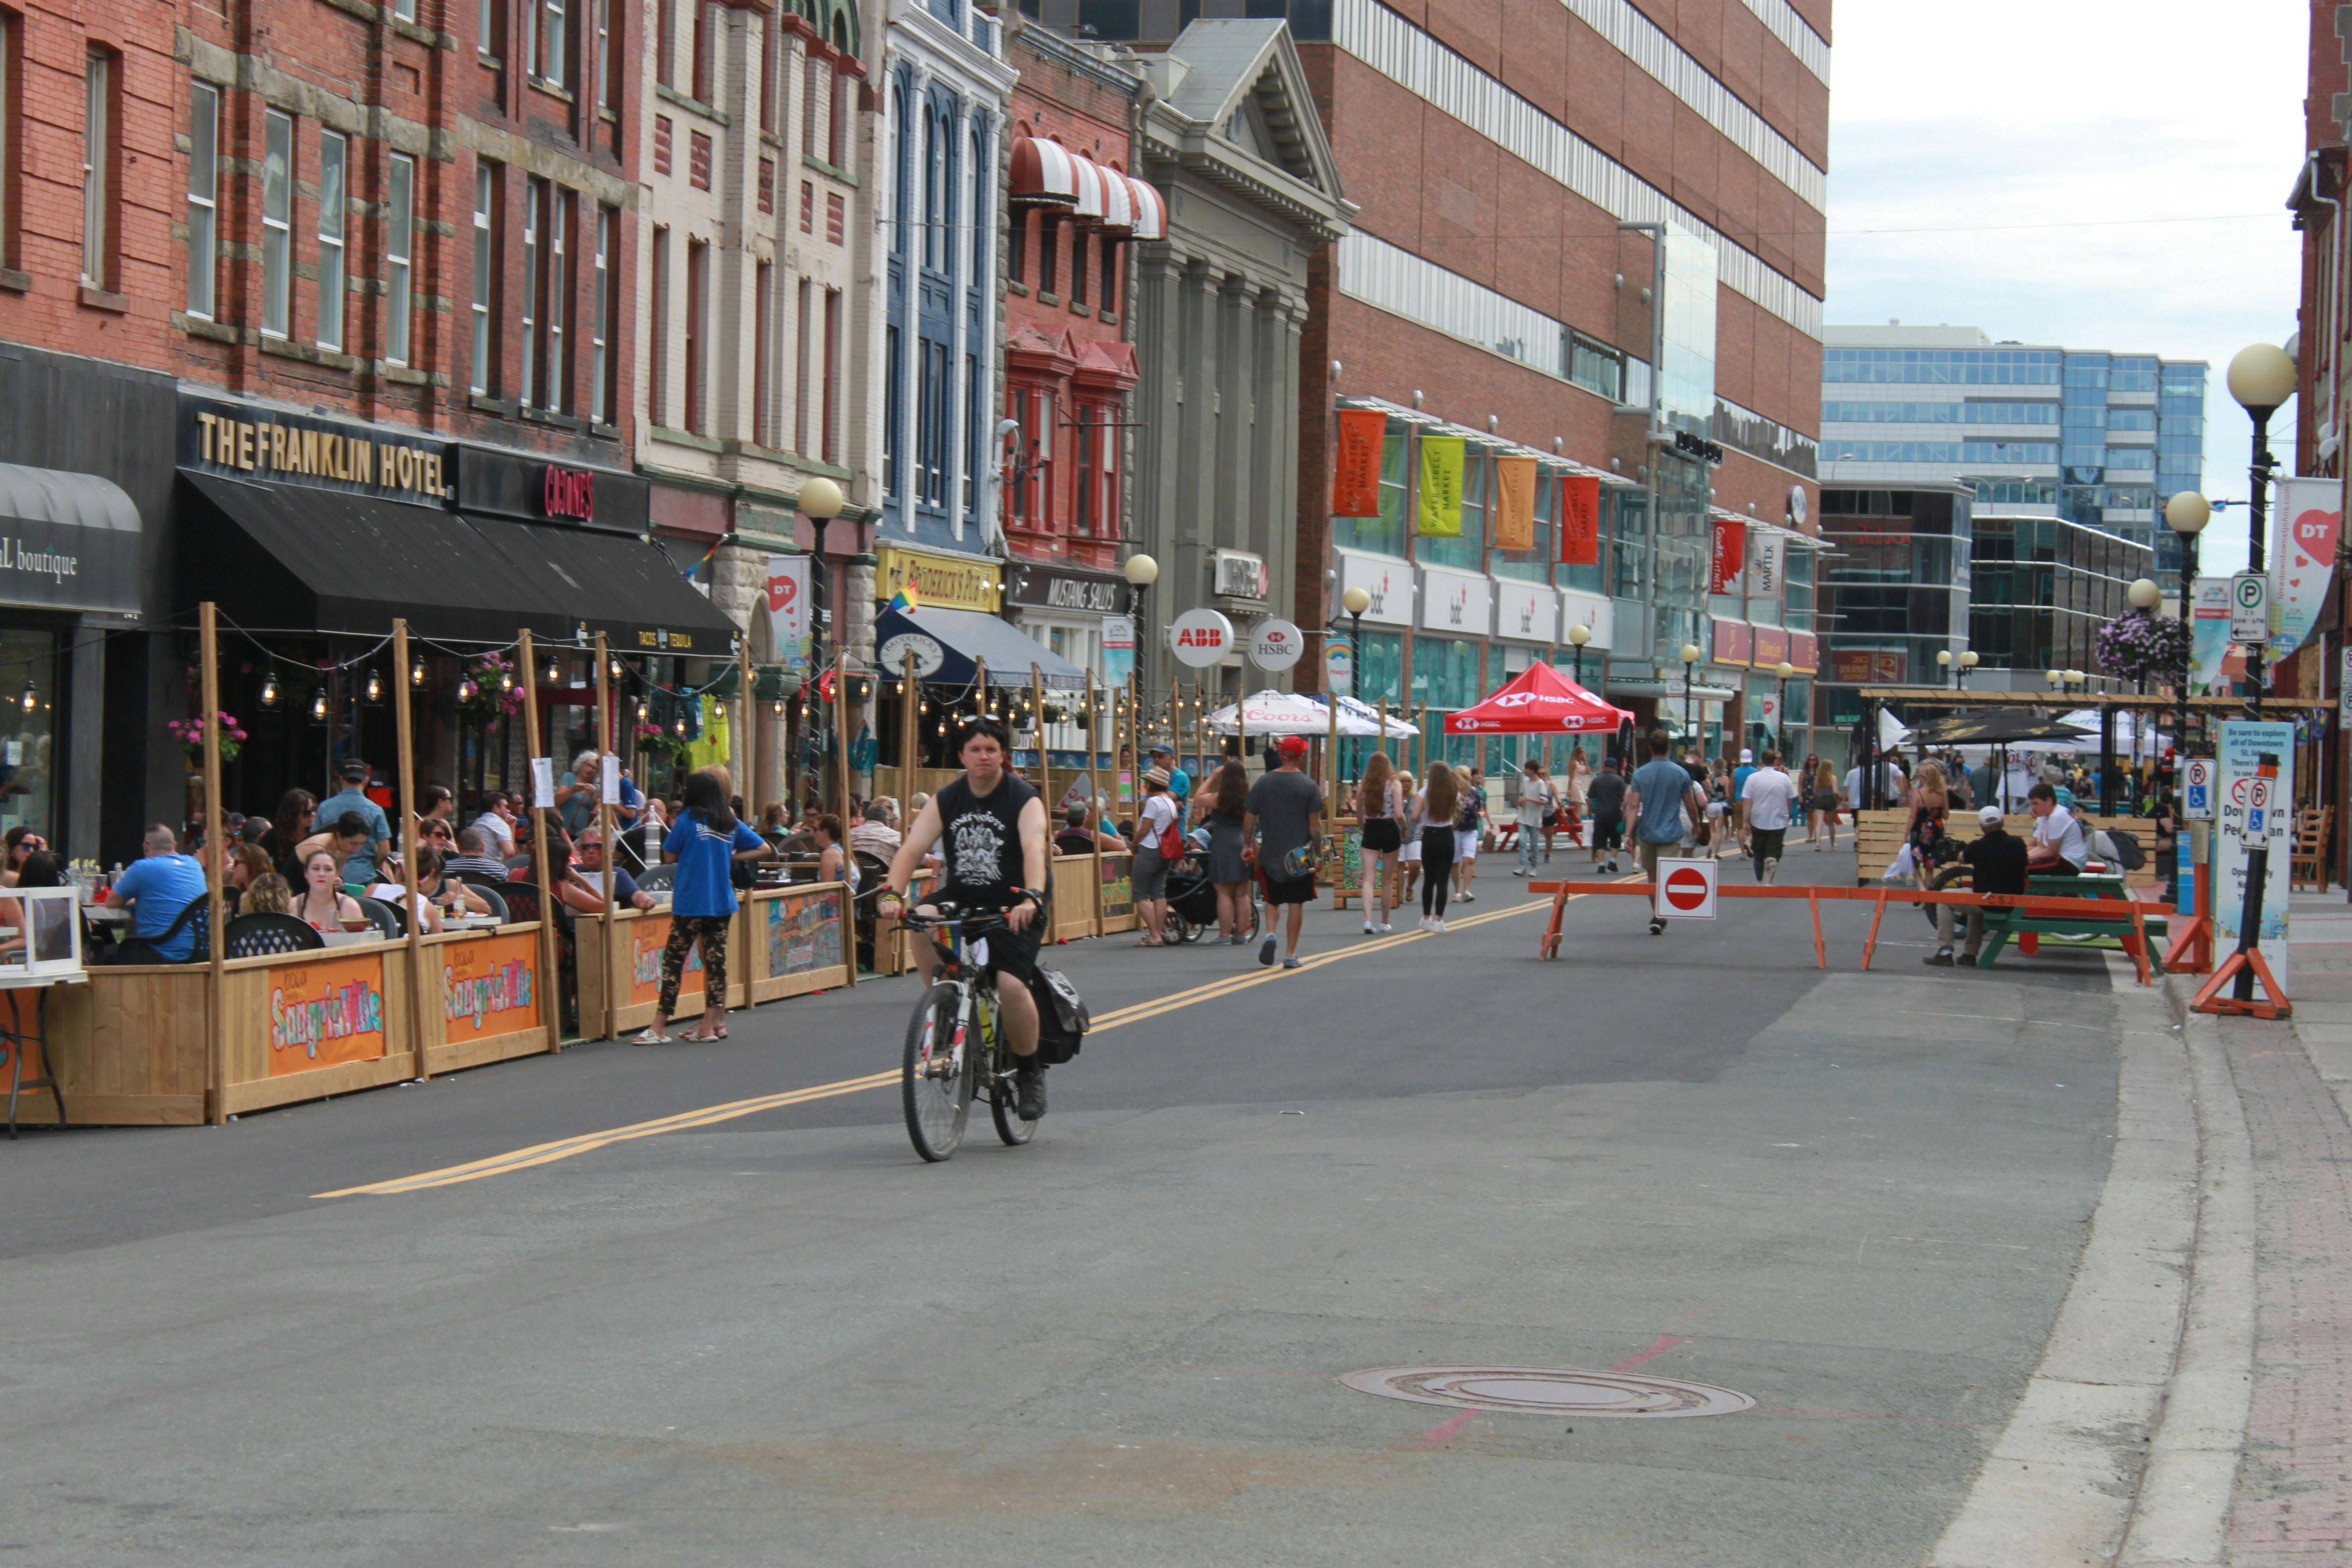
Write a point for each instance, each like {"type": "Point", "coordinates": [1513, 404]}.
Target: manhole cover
{"type": "Point", "coordinates": [1546, 1390]}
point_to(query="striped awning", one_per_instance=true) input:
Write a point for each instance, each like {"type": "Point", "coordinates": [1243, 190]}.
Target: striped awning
{"type": "Point", "coordinates": [1046, 173]}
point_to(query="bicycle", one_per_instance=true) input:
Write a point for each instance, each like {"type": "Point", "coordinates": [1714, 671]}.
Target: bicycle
{"type": "Point", "coordinates": [955, 1048]}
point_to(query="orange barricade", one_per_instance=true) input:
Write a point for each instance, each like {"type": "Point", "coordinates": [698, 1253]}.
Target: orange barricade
{"type": "Point", "coordinates": [2033, 903]}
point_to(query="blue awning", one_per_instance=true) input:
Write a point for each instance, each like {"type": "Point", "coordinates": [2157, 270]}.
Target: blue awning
{"type": "Point", "coordinates": [950, 645]}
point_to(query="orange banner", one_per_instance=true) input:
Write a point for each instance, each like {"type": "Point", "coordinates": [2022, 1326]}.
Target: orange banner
{"type": "Point", "coordinates": [1356, 463]}
{"type": "Point", "coordinates": [1515, 503]}
{"type": "Point", "coordinates": [489, 985]}
{"type": "Point", "coordinates": [326, 1012]}
{"type": "Point", "coordinates": [1580, 520]}
{"type": "Point", "coordinates": [647, 937]}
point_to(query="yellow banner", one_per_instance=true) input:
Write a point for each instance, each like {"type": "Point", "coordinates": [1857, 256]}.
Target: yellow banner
{"type": "Point", "coordinates": [1515, 503]}
{"type": "Point", "coordinates": [945, 582]}
{"type": "Point", "coordinates": [1441, 487]}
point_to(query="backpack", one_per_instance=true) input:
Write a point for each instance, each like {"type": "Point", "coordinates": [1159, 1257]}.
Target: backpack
{"type": "Point", "coordinates": [2119, 847]}
{"type": "Point", "coordinates": [1465, 820]}
{"type": "Point", "coordinates": [1062, 1016]}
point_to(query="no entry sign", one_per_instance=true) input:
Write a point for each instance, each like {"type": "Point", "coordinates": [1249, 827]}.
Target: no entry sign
{"type": "Point", "coordinates": [1685, 891]}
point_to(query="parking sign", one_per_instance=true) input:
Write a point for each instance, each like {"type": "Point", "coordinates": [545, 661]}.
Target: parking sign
{"type": "Point", "coordinates": [2197, 789]}
{"type": "Point", "coordinates": [2250, 608]}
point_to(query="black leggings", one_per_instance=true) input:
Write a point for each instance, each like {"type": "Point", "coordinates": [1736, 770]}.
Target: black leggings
{"type": "Point", "coordinates": [1436, 862]}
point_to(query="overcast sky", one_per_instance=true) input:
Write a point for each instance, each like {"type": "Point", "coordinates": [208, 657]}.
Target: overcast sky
{"type": "Point", "coordinates": [1977, 127]}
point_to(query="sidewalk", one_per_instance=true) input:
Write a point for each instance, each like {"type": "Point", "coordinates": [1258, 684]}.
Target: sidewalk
{"type": "Point", "coordinates": [2294, 1496]}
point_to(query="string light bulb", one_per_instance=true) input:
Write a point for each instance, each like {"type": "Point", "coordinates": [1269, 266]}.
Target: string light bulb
{"type": "Point", "coordinates": [269, 689]}
{"type": "Point", "coordinates": [318, 705]}
{"type": "Point", "coordinates": [643, 710]}
{"type": "Point", "coordinates": [32, 698]}
{"type": "Point", "coordinates": [613, 667]}
{"type": "Point", "coordinates": [416, 671]}
{"type": "Point", "coordinates": [554, 670]}
{"type": "Point", "coordinates": [374, 687]}
{"type": "Point", "coordinates": [506, 680]}
{"type": "Point", "coordinates": [466, 690]}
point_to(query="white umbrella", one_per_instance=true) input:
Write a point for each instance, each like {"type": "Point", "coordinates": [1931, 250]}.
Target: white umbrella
{"type": "Point", "coordinates": [1360, 719]}
{"type": "Point", "coordinates": [1893, 733]}
{"type": "Point", "coordinates": [1273, 713]}
{"type": "Point", "coordinates": [2134, 732]}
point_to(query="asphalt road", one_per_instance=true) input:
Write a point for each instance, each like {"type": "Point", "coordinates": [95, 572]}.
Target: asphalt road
{"type": "Point", "coordinates": [1856, 1200]}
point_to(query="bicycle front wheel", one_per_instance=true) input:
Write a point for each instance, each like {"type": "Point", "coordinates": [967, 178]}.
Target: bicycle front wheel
{"type": "Point", "coordinates": [936, 1073]}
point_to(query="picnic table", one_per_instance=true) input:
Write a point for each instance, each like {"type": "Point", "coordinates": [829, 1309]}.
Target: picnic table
{"type": "Point", "coordinates": [2029, 925]}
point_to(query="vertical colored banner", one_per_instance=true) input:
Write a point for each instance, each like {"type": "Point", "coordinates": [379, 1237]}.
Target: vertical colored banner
{"type": "Point", "coordinates": [1764, 561]}
{"type": "Point", "coordinates": [1580, 520]}
{"type": "Point", "coordinates": [788, 608]}
{"type": "Point", "coordinates": [1356, 463]}
{"type": "Point", "coordinates": [1117, 649]}
{"type": "Point", "coordinates": [1515, 503]}
{"type": "Point", "coordinates": [2209, 627]}
{"type": "Point", "coordinates": [1730, 552]}
{"type": "Point", "coordinates": [2254, 804]}
{"type": "Point", "coordinates": [2302, 557]}
{"type": "Point", "coordinates": [1442, 458]}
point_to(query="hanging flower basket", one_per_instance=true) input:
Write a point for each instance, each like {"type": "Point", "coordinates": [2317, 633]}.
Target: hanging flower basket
{"type": "Point", "coordinates": [190, 734]}
{"type": "Point", "coordinates": [2143, 647]}
{"type": "Point", "coordinates": [486, 694]}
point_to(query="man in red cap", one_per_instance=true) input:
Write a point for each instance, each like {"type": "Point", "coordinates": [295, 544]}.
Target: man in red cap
{"type": "Point", "coordinates": [1284, 817]}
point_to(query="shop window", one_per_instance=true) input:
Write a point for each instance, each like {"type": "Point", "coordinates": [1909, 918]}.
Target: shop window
{"type": "Point", "coordinates": [29, 738]}
{"type": "Point", "coordinates": [333, 162]}
{"type": "Point", "coordinates": [203, 175]}
{"type": "Point", "coordinates": [399, 230]}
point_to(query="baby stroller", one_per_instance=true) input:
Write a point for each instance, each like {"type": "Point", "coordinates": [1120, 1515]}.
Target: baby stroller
{"type": "Point", "coordinates": [1192, 898]}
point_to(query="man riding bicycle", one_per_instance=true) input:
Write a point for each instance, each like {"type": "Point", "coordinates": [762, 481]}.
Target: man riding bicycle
{"type": "Point", "coordinates": [991, 828]}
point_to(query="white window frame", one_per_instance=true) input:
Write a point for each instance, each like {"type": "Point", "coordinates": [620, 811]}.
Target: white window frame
{"type": "Point", "coordinates": [204, 200]}
{"type": "Point", "coordinates": [486, 185]}
{"type": "Point", "coordinates": [405, 9]}
{"type": "Point", "coordinates": [96, 134]}
{"type": "Point", "coordinates": [399, 256]}
{"type": "Point", "coordinates": [527, 387]}
{"type": "Point", "coordinates": [276, 222]}
{"type": "Point", "coordinates": [600, 405]}
{"type": "Point", "coordinates": [551, 33]}
{"type": "Point", "coordinates": [559, 226]}
{"type": "Point", "coordinates": [335, 188]}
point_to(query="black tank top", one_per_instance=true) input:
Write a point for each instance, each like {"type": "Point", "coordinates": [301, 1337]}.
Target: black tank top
{"type": "Point", "coordinates": [980, 836]}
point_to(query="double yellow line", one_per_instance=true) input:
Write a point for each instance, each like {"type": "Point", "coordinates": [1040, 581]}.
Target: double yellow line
{"type": "Point", "coordinates": [710, 1115]}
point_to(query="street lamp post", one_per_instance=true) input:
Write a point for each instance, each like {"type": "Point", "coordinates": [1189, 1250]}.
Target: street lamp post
{"type": "Point", "coordinates": [1783, 670]}
{"type": "Point", "coordinates": [1944, 661]}
{"type": "Point", "coordinates": [820, 500]}
{"type": "Point", "coordinates": [2186, 514]}
{"type": "Point", "coordinates": [2261, 377]}
{"type": "Point", "coordinates": [1690, 671]}
{"type": "Point", "coordinates": [1355, 601]}
{"type": "Point", "coordinates": [1140, 571]}
{"type": "Point", "coordinates": [1577, 635]}
{"type": "Point", "coordinates": [1968, 663]}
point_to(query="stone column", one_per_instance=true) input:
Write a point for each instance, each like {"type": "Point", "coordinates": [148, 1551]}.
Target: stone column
{"type": "Point", "coordinates": [1278, 412]}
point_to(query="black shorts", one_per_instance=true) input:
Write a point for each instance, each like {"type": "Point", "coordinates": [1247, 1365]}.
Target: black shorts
{"type": "Point", "coordinates": [1294, 890]}
{"type": "Point", "coordinates": [1609, 833]}
{"type": "Point", "coordinates": [1014, 953]}
{"type": "Point", "coordinates": [1768, 843]}
{"type": "Point", "coordinates": [1380, 835]}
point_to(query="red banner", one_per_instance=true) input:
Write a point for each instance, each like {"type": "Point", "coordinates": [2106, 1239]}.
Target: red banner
{"type": "Point", "coordinates": [1804, 652]}
{"type": "Point", "coordinates": [1356, 463]}
{"type": "Point", "coordinates": [1771, 647]}
{"type": "Point", "coordinates": [1730, 556]}
{"type": "Point", "coordinates": [1580, 520]}
{"type": "Point", "coordinates": [1851, 665]}
{"type": "Point", "coordinates": [1731, 642]}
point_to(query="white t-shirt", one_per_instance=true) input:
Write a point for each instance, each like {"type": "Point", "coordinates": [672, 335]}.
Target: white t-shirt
{"type": "Point", "coordinates": [1771, 796]}
{"type": "Point", "coordinates": [2060, 828]}
{"type": "Point", "coordinates": [1890, 784]}
{"type": "Point", "coordinates": [1535, 799]}
{"type": "Point", "coordinates": [500, 828]}
{"type": "Point", "coordinates": [1158, 811]}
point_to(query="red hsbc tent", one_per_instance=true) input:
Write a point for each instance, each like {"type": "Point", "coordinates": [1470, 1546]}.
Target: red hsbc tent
{"type": "Point", "coordinates": [1539, 700]}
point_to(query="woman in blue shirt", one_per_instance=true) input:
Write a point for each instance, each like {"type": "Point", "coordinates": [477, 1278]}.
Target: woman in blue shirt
{"type": "Point", "coordinates": [707, 841]}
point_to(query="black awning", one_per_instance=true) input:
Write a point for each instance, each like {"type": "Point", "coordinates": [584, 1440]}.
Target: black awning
{"type": "Point", "coordinates": [292, 556]}
{"type": "Point", "coordinates": [68, 541]}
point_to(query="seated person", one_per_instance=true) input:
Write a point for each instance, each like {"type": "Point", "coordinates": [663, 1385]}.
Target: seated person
{"type": "Point", "coordinates": [161, 884]}
{"type": "Point", "coordinates": [1077, 838]}
{"type": "Point", "coordinates": [347, 838]}
{"type": "Point", "coordinates": [873, 834]}
{"type": "Point", "coordinates": [474, 854]}
{"type": "Point", "coordinates": [833, 861]}
{"type": "Point", "coordinates": [436, 894]}
{"type": "Point", "coordinates": [2060, 846]}
{"type": "Point", "coordinates": [247, 864]}
{"type": "Point", "coordinates": [268, 895]}
{"type": "Point", "coordinates": [591, 875]}
{"type": "Point", "coordinates": [38, 870]}
{"type": "Point", "coordinates": [324, 905]}
{"type": "Point", "coordinates": [20, 842]}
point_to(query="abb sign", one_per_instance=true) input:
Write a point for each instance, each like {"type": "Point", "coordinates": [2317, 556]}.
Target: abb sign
{"type": "Point", "coordinates": [571, 492]}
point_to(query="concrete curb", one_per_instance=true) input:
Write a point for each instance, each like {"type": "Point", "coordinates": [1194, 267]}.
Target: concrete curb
{"type": "Point", "coordinates": [2181, 1514]}
{"type": "Point", "coordinates": [2059, 1485]}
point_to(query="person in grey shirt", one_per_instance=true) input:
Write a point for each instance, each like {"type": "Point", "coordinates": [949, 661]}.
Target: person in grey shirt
{"type": "Point", "coordinates": [360, 868]}
{"type": "Point", "coordinates": [1284, 815]}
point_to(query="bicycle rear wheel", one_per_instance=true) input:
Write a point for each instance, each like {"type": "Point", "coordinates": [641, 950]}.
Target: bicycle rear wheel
{"type": "Point", "coordinates": [934, 1081]}
{"type": "Point", "coordinates": [1003, 1092]}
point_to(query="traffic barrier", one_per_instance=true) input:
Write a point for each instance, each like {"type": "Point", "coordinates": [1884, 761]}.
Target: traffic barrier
{"type": "Point", "coordinates": [2032, 904]}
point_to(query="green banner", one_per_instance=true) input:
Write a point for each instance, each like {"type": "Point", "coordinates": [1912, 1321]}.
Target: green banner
{"type": "Point", "coordinates": [1441, 487]}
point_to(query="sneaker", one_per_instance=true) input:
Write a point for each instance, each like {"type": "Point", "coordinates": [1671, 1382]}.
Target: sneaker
{"type": "Point", "coordinates": [1290, 964]}
{"type": "Point", "coordinates": [1942, 955]}
{"type": "Point", "coordinates": [1965, 960]}
{"type": "Point", "coordinates": [1029, 1092]}
{"type": "Point", "coordinates": [1369, 928]}
{"type": "Point", "coordinates": [1467, 898]}
{"type": "Point", "coordinates": [1657, 926]}
{"type": "Point", "coordinates": [1437, 927]}
{"type": "Point", "coordinates": [1386, 928]}
{"type": "Point", "coordinates": [1266, 951]}
{"type": "Point", "coordinates": [1517, 871]}
{"type": "Point", "coordinates": [1425, 922]}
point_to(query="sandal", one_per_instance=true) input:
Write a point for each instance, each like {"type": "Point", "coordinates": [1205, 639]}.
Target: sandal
{"type": "Point", "coordinates": [645, 1036]}
{"type": "Point", "coordinates": [1147, 941]}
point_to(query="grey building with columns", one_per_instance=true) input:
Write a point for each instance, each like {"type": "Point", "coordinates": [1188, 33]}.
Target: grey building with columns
{"type": "Point", "coordinates": [1231, 139]}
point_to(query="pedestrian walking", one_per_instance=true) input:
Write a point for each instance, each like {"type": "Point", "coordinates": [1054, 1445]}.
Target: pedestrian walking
{"type": "Point", "coordinates": [1158, 844]}
{"type": "Point", "coordinates": [1283, 816]}
{"type": "Point", "coordinates": [1575, 792]}
{"type": "Point", "coordinates": [1605, 823]}
{"type": "Point", "coordinates": [706, 842]}
{"type": "Point", "coordinates": [1739, 777]}
{"type": "Point", "coordinates": [1537, 805]}
{"type": "Point", "coordinates": [1827, 807]}
{"type": "Point", "coordinates": [1436, 811]}
{"type": "Point", "coordinates": [1469, 830]}
{"type": "Point", "coordinates": [1221, 811]}
{"type": "Point", "coordinates": [1772, 799]}
{"type": "Point", "coordinates": [1660, 796]}
{"type": "Point", "coordinates": [1930, 806]}
{"type": "Point", "coordinates": [1380, 806]}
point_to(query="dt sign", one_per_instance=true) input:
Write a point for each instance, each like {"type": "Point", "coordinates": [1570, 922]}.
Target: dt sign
{"type": "Point", "coordinates": [1685, 891]}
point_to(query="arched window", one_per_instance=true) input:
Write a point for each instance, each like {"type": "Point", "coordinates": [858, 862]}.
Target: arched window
{"type": "Point", "coordinates": [974, 208]}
